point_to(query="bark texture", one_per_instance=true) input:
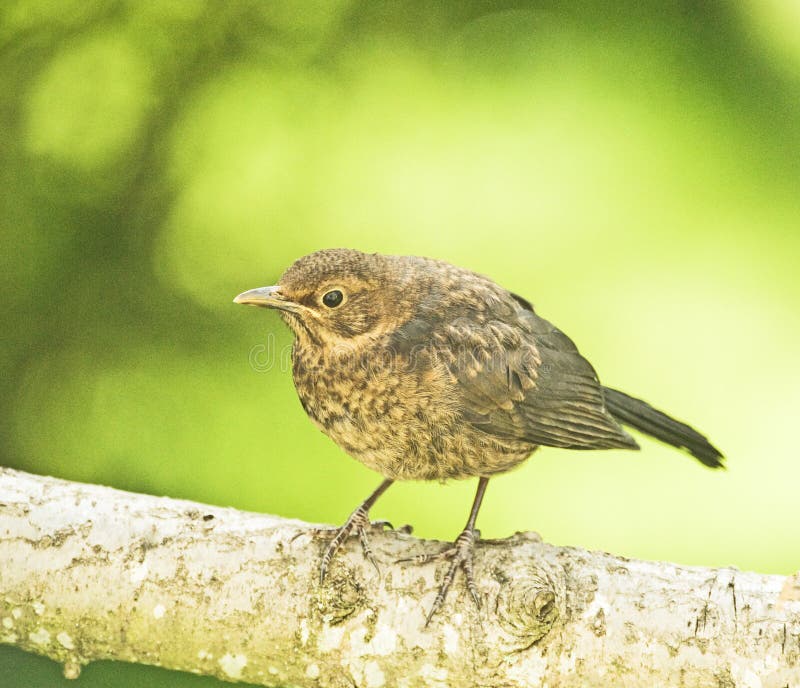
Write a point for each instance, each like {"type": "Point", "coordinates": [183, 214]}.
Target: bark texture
{"type": "Point", "coordinates": [88, 572]}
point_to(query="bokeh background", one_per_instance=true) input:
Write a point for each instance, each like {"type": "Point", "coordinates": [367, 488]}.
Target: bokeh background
{"type": "Point", "coordinates": [632, 168]}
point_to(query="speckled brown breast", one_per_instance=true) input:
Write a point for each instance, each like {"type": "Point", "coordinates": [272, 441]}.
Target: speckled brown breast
{"type": "Point", "coordinates": [396, 413]}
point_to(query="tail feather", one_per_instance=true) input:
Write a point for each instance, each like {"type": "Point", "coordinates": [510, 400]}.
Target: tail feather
{"type": "Point", "coordinates": [640, 415]}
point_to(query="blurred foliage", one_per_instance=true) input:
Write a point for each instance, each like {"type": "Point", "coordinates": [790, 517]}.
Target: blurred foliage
{"type": "Point", "coordinates": [633, 168]}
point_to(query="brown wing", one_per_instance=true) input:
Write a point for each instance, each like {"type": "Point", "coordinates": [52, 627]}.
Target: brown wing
{"type": "Point", "coordinates": [521, 378]}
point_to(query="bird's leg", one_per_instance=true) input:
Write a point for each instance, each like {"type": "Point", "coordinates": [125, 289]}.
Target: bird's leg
{"type": "Point", "coordinates": [460, 555]}
{"type": "Point", "coordinates": [357, 523]}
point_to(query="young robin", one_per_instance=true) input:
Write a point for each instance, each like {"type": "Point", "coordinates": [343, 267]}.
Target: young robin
{"type": "Point", "coordinates": [423, 370]}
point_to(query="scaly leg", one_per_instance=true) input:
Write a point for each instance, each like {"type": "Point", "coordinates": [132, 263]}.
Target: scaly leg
{"type": "Point", "coordinates": [460, 556]}
{"type": "Point", "coordinates": [357, 523]}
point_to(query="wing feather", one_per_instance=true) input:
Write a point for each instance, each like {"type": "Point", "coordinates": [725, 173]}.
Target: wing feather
{"type": "Point", "coordinates": [514, 375]}
{"type": "Point", "coordinates": [525, 380]}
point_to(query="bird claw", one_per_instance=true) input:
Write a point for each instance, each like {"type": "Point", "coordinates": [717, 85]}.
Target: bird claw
{"type": "Point", "coordinates": [427, 558]}
{"type": "Point", "coordinates": [359, 524]}
{"type": "Point", "coordinates": [381, 525]}
{"type": "Point", "coordinates": [460, 554]}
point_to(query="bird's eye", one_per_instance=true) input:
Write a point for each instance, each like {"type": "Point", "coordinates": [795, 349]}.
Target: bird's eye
{"type": "Point", "coordinates": [332, 298]}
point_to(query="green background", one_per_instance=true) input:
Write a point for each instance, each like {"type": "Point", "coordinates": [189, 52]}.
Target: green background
{"type": "Point", "coordinates": [631, 168]}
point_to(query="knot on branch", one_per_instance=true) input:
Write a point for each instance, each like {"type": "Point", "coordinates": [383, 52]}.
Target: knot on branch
{"type": "Point", "coordinates": [526, 606]}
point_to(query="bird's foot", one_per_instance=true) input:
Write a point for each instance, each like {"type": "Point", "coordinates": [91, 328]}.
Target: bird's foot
{"type": "Point", "coordinates": [357, 524]}
{"type": "Point", "coordinates": [460, 555]}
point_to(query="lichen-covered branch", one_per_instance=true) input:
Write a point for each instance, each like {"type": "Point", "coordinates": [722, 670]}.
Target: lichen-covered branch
{"type": "Point", "coordinates": [88, 573]}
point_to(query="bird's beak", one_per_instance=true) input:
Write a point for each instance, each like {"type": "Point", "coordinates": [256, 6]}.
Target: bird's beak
{"type": "Point", "coordinates": [266, 297]}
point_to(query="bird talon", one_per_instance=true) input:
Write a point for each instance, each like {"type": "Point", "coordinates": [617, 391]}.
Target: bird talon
{"type": "Point", "coordinates": [381, 525]}
{"type": "Point", "coordinates": [367, 550]}
{"type": "Point", "coordinates": [426, 558]}
{"type": "Point", "coordinates": [461, 557]}
{"type": "Point", "coordinates": [472, 588]}
{"type": "Point", "coordinates": [357, 523]}
{"type": "Point", "coordinates": [416, 559]}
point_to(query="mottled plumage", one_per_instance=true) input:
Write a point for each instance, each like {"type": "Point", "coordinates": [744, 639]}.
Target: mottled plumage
{"type": "Point", "coordinates": [425, 371]}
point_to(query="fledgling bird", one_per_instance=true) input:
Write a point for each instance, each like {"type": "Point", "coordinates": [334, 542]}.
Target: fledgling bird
{"type": "Point", "coordinates": [423, 370]}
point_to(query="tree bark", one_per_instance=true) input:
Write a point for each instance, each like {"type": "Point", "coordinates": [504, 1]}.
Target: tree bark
{"type": "Point", "coordinates": [88, 572]}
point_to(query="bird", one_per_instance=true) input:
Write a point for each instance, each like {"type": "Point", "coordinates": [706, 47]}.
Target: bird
{"type": "Point", "coordinates": [422, 370]}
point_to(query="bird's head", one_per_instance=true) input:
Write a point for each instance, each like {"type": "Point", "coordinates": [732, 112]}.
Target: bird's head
{"type": "Point", "coordinates": [334, 296]}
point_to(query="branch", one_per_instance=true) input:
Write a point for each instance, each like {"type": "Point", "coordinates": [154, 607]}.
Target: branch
{"type": "Point", "coordinates": [93, 573]}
